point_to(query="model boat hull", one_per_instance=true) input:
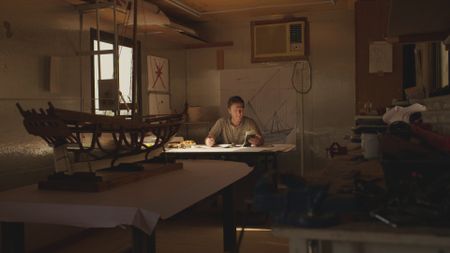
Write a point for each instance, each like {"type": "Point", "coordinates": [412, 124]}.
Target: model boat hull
{"type": "Point", "coordinates": [97, 139]}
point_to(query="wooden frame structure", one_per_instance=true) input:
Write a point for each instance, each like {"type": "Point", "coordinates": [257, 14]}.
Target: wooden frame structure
{"type": "Point", "coordinates": [60, 127]}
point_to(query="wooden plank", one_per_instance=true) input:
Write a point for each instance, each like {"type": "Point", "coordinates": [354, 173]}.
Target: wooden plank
{"type": "Point", "coordinates": [411, 38]}
{"type": "Point", "coordinates": [88, 7]}
{"type": "Point", "coordinates": [109, 179]}
{"type": "Point", "coordinates": [94, 52]}
{"type": "Point", "coordinates": [210, 44]}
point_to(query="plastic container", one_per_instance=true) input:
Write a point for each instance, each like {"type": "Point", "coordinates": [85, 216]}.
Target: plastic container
{"type": "Point", "coordinates": [370, 145]}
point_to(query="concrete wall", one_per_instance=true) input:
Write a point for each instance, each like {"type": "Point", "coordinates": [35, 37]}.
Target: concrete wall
{"type": "Point", "coordinates": [329, 107]}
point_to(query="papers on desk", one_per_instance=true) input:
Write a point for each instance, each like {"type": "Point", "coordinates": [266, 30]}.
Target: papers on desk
{"type": "Point", "coordinates": [225, 145]}
{"type": "Point", "coordinates": [233, 149]}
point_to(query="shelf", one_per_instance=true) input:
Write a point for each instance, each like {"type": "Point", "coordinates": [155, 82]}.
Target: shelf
{"type": "Point", "coordinates": [437, 36]}
{"type": "Point", "coordinates": [210, 44]}
{"type": "Point", "coordinates": [197, 123]}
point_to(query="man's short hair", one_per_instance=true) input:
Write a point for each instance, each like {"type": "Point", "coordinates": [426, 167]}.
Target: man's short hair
{"type": "Point", "coordinates": [235, 100]}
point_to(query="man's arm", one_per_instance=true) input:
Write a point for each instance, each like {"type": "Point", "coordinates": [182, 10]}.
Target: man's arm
{"type": "Point", "coordinates": [215, 131]}
{"type": "Point", "coordinates": [210, 141]}
{"type": "Point", "coordinates": [258, 140]}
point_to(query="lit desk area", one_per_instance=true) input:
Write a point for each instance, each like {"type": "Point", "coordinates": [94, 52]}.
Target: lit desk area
{"type": "Point", "coordinates": [224, 153]}
{"type": "Point", "coordinates": [224, 149]}
{"type": "Point", "coordinates": [268, 152]}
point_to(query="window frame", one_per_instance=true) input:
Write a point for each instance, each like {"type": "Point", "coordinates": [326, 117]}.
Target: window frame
{"type": "Point", "coordinates": [123, 41]}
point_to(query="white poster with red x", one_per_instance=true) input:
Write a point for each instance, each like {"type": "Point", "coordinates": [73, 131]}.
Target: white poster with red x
{"type": "Point", "coordinates": [158, 74]}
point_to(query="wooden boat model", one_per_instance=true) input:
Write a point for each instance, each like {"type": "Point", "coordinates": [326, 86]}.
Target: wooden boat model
{"type": "Point", "coordinates": [91, 138]}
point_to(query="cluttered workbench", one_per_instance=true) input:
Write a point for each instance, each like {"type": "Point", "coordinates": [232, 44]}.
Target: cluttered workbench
{"type": "Point", "coordinates": [340, 172]}
{"type": "Point", "coordinates": [395, 197]}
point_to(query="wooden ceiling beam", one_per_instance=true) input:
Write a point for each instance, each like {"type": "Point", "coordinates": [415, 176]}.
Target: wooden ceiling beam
{"type": "Point", "coordinates": [210, 44]}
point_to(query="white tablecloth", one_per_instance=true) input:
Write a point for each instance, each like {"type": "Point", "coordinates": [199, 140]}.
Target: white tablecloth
{"type": "Point", "coordinates": [140, 204]}
{"type": "Point", "coordinates": [217, 149]}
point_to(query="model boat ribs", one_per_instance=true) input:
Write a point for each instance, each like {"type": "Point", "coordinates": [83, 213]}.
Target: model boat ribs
{"type": "Point", "coordinates": [85, 133]}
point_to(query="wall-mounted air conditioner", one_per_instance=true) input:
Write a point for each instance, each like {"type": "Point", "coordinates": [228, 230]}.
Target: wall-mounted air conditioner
{"type": "Point", "coordinates": [279, 40]}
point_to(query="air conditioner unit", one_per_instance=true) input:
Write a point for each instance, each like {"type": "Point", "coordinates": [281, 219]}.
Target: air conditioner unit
{"type": "Point", "coordinates": [279, 40]}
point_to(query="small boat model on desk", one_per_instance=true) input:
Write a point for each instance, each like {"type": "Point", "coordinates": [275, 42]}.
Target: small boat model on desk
{"type": "Point", "coordinates": [84, 143]}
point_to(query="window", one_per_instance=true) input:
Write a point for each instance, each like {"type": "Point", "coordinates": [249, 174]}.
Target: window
{"type": "Point", "coordinates": [108, 98]}
{"type": "Point", "coordinates": [445, 75]}
{"type": "Point", "coordinates": [409, 66]}
{"type": "Point", "coordinates": [439, 68]}
{"type": "Point", "coordinates": [426, 66]}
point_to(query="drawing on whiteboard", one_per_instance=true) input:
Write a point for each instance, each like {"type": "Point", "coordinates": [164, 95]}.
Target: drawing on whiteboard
{"type": "Point", "coordinates": [272, 120]}
{"type": "Point", "coordinates": [270, 99]}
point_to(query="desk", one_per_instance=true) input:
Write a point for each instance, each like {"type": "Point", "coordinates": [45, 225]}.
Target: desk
{"type": "Point", "coordinates": [139, 205]}
{"type": "Point", "coordinates": [367, 237]}
{"type": "Point", "coordinates": [199, 149]}
{"type": "Point", "coordinates": [216, 152]}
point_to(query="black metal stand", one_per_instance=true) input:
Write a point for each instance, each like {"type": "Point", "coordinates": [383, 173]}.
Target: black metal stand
{"type": "Point", "coordinates": [13, 237]}
{"type": "Point", "coordinates": [143, 243]}
{"type": "Point", "coordinates": [229, 225]}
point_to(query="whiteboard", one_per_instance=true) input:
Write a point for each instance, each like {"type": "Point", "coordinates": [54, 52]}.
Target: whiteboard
{"type": "Point", "coordinates": [159, 103]}
{"type": "Point", "coordinates": [158, 74]}
{"type": "Point", "coordinates": [269, 99]}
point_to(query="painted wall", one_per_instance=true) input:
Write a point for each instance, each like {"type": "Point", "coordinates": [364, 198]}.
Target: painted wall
{"type": "Point", "coordinates": [379, 89]}
{"type": "Point", "coordinates": [24, 79]}
{"type": "Point", "coordinates": [41, 30]}
{"type": "Point", "coordinates": [329, 107]}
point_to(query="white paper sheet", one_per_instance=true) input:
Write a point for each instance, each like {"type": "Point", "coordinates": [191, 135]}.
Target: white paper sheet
{"type": "Point", "coordinates": [216, 149]}
{"type": "Point", "coordinates": [269, 98]}
{"type": "Point", "coordinates": [380, 57]}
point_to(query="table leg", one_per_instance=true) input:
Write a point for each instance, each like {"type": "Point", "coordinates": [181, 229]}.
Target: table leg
{"type": "Point", "coordinates": [13, 237]}
{"type": "Point", "coordinates": [229, 225]}
{"type": "Point", "coordinates": [298, 245]}
{"type": "Point", "coordinates": [143, 243]}
{"type": "Point", "coordinates": [275, 170]}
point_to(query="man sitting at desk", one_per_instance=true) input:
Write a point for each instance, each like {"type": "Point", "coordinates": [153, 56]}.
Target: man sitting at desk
{"type": "Point", "coordinates": [233, 129]}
